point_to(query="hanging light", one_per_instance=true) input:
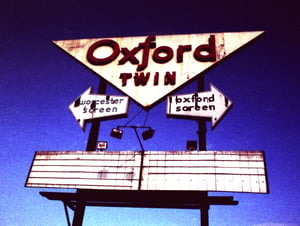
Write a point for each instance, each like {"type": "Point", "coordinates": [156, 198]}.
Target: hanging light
{"type": "Point", "coordinates": [116, 132]}
{"type": "Point", "coordinates": [148, 134]}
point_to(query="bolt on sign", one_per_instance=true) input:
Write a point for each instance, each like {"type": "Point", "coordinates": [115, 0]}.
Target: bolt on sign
{"type": "Point", "coordinates": [147, 68]}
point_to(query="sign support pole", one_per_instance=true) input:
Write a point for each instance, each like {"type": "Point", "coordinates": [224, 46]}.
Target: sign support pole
{"type": "Point", "coordinates": [202, 147]}
{"type": "Point", "coordinates": [94, 131]}
{"type": "Point", "coordinates": [91, 146]}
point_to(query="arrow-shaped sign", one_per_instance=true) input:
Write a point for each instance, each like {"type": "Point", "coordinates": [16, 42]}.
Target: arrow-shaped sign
{"type": "Point", "coordinates": [90, 106]}
{"type": "Point", "coordinates": [211, 104]}
{"type": "Point", "coordinates": [147, 68]}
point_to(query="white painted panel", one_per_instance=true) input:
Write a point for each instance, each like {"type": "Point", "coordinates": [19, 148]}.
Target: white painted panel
{"type": "Point", "coordinates": [262, 184]}
{"type": "Point", "coordinates": [211, 183]}
{"type": "Point", "coordinates": [237, 183]}
{"type": "Point", "coordinates": [181, 170]}
{"type": "Point", "coordinates": [246, 184]}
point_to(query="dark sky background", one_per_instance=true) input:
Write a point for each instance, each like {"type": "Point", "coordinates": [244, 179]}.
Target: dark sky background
{"type": "Point", "coordinates": [38, 81]}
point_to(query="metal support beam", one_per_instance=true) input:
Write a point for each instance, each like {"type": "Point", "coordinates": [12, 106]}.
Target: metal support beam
{"type": "Point", "coordinates": [142, 157]}
{"type": "Point", "coordinates": [91, 146]}
{"type": "Point", "coordinates": [79, 213]}
{"type": "Point", "coordinates": [67, 214]}
{"type": "Point", "coordinates": [95, 127]}
{"type": "Point", "coordinates": [204, 215]}
{"type": "Point", "coordinates": [202, 147]}
{"type": "Point", "coordinates": [141, 199]}
{"type": "Point", "coordinates": [201, 121]}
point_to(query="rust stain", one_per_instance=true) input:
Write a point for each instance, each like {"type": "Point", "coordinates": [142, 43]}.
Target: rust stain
{"type": "Point", "coordinates": [103, 174]}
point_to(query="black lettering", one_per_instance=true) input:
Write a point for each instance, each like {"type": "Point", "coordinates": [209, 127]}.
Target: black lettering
{"type": "Point", "coordinates": [186, 99]}
{"type": "Point", "coordinates": [170, 78]}
{"type": "Point", "coordinates": [197, 107]}
{"type": "Point", "coordinates": [178, 99]}
{"type": "Point", "coordinates": [125, 77]}
{"type": "Point", "coordinates": [141, 78]}
{"type": "Point", "coordinates": [84, 109]}
{"type": "Point", "coordinates": [212, 107]}
{"type": "Point", "coordinates": [156, 77]}
{"type": "Point", "coordinates": [114, 101]}
{"type": "Point", "coordinates": [187, 108]}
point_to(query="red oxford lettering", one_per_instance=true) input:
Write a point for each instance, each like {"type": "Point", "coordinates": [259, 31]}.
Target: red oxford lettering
{"type": "Point", "coordinates": [102, 61]}
{"type": "Point", "coordinates": [161, 54]}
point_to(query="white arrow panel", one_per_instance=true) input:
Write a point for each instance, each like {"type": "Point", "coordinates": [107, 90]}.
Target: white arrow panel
{"type": "Point", "coordinates": [210, 104]}
{"type": "Point", "coordinates": [91, 106]}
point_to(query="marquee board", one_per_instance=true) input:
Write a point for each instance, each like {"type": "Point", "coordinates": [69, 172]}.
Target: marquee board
{"type": "Point", "coordinates": [227, 171]}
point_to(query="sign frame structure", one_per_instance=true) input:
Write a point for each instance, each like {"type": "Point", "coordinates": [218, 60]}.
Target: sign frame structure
{"type": "Point", "coordinates": [157, 65]}
{"type": "Point", "coordinates": [137, 57]}
{"type": "Point", "coordinates": [225, 171]}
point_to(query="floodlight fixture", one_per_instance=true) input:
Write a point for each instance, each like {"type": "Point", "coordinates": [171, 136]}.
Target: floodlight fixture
{"type": "Point", "coordinates": [148, 133]}
{"type": "Point", "coordinates": [117, 133]}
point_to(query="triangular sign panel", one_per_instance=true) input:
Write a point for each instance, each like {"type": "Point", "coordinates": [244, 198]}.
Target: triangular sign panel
{"type": "Point", "coordinates": [147, 68]}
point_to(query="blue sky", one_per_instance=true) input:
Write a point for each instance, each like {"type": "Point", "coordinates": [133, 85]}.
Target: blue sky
{"type": "Point", "coordinates": [38, 81]}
